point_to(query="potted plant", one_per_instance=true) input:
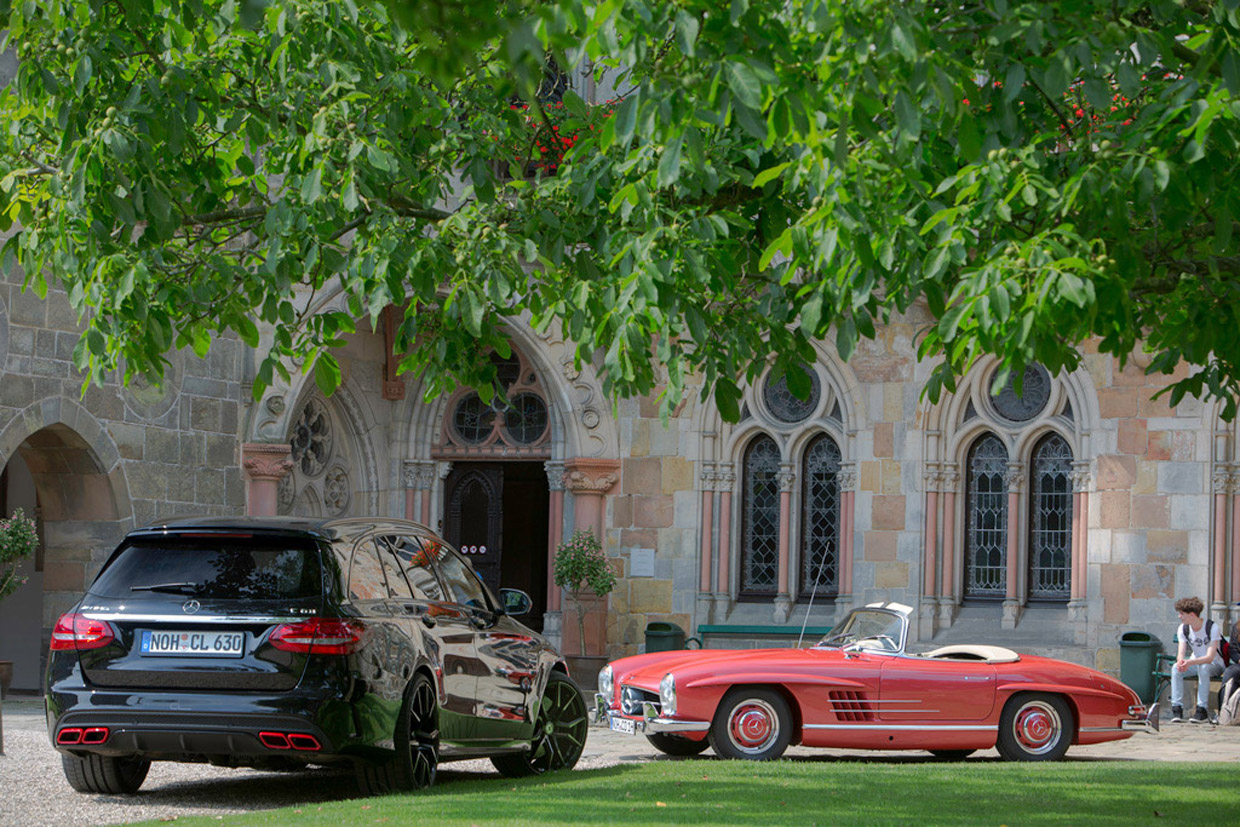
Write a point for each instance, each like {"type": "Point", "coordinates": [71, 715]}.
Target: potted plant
{"type": "Point", "coordinates": [18, 539]}
{"type": "Point", "coordinates": [586, 576]}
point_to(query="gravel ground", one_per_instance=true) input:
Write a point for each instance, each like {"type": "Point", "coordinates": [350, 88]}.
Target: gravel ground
{"type": "Point", "coordinates": [33, 790]}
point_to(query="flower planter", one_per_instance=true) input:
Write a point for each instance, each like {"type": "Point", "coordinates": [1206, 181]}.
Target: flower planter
{"type": "Point", "coordinates": [585, 624]}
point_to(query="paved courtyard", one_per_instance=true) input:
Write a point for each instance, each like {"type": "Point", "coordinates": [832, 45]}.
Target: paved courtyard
{"type": "Point", "coordinates": [33, 791]}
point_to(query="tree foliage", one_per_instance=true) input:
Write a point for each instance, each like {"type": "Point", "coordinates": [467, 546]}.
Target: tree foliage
{"type": "Point", "coordinates": [772, 174]}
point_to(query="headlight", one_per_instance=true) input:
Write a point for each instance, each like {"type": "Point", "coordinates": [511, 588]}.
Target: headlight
{"type": "Point", "coordinates": [605, 682]}
{"type": "Point", "coordinates": [667, 694]}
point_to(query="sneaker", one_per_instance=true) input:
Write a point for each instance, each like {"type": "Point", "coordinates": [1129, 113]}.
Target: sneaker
{"type": "Point", "coordinates": [1177, 714]}
{"type": "Point", "coordinates": [1201, 716]}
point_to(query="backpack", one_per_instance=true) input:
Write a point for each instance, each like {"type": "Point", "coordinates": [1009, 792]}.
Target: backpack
{"type": "Point", "coordinates": [1229, 708]}
{"type": "Point", "coordinates": [1224, 647]}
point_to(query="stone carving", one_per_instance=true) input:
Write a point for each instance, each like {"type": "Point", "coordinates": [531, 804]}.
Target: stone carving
{"type": "Point", "coordinates": [1016, 475]}
{"type": "Point", "coordinates": [590, 419]}
{"type": "Point", "coordinates": [275, 404]}
{"type": "Point", "coordinates": [312, 438]}
{"type": "Point", "coordinates": [419, 475]}
{"type": "Point", "coordinates": [266, 461]}
{"type": "Point", "coordinates": [336, 490]}
{"type": "Point", "coordinates": [286, 492]}
{"type": "Point", "coordinates": [787, 476]}
{"type": "Point", "coordinates": [150, 401]}
{"type": "Point", "coordinates": [555, 474]}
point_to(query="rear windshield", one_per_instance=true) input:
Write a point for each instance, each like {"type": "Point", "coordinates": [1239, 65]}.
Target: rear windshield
{"type": "Point", "coordinates": [237, 568]}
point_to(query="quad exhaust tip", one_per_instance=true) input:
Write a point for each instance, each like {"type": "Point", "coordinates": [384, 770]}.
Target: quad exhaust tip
{"type": "Point", "coordinates": [76, 735]}
{"type": "Point", "coordinates": [290, 740]}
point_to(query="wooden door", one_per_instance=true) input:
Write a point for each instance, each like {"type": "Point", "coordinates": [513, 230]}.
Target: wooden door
{"type": "Point", "coordinates": [474, 518]}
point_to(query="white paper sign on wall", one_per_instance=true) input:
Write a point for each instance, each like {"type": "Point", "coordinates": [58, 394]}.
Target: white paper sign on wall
{"type": "Point", "coordinates": [641, 562]}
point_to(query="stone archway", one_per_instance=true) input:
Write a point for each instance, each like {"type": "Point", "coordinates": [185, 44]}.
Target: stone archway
{"type": "Point", "coordinates": [77, 489]}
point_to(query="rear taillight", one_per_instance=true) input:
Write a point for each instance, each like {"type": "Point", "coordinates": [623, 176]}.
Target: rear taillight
{"type": "Point", "coordinates": [77, 631]}
{"type": "Point", "coordinates": [318, 636]}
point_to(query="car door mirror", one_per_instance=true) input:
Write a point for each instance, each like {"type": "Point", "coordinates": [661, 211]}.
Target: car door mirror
{"type": "Point", "coordinates": [515, 602]}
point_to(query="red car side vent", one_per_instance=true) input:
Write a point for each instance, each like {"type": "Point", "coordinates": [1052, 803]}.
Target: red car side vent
{"type": "Point", "coordinates": [851, 706]}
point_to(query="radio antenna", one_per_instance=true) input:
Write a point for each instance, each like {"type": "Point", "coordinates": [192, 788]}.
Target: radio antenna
{"type": "Point", "coordinates": [812, 594]}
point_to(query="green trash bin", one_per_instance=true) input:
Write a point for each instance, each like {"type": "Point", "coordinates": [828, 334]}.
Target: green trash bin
{"type": "Point", "coordinates": [664, 637]}
{"type": "Point", "coordinates": [1138, 658]}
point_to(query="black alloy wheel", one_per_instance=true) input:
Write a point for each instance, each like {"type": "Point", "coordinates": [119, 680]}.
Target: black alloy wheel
{"type": "Point", "coordinates": [677, 745]}
{"type": "Point", "coordinates": [417, 745]}
{"type": "Point", "coordinates": [559, 732]}
{"type": "Point", "coordinates": [104, 775]}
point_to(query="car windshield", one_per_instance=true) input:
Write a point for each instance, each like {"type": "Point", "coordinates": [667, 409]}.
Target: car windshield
{"type": "Point", "coordinates": [234, 568]}
{"type": "Point", "coordinates": [869, 629]}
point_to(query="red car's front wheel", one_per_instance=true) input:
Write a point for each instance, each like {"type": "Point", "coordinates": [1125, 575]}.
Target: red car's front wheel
{"type": "Point", "coordinates": [751, 723]}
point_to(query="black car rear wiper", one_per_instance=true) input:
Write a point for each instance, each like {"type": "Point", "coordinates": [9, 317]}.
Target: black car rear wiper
{"type": "Point", "coordinates": [173, 588]}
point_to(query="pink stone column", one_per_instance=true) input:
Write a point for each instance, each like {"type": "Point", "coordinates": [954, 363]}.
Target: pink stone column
{"type": "Point", "coordinates": [1013, 532]}
{"type": "Point", "coordinates": [950, 562]}
{"type": "Point", "coordinates": [555, 529]}
{"type": "Point", "coordinates": [846, 541]}
{"type": "Point", "coordinates": [1083, 570]}
{"type": "Point", "coordinates": [932, 539]}
{"type": "Point", "coordinates": [723, 583]}
{"type": "Point", "coordinates": [1074, 588]}
{"type": "Point", "coordinates": [1220, 547]}
{"type": "Point", "coordinates": [1235, 543]}
{"type": "Point", "coordinates": [786, 479]}
{"type": "Point", "coordinates": [419, 479]}
{"type": "Point", "coordinates": [264, 464]}
{"type": "Point", "coordinates": [590, 480]}
{"type": "Point", "coordinates": [708, 516]}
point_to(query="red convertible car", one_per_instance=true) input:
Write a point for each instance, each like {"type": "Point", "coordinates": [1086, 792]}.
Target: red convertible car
{"type": "Point", "coordinates": [858, 689]}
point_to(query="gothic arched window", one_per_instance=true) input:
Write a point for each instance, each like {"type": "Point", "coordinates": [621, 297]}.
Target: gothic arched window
{"type": "Point", "coordinates": [987, 516]}
{"type": "Point", "coordinates": [760, 514]}
{"type": "Point", "coordinates": [1050, 520]}
{"type": "Point", "coordinates": [820, 518]}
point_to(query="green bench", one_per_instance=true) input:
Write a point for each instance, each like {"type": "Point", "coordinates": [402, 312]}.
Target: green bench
{"type": "Point", "coordinates": [812, 633]}
{"type": "Point", "coordinates": [1162, 678]}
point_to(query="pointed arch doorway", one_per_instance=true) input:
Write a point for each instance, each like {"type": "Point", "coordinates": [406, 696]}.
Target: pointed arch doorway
{"type": "Point", "coordinates": [497, 514]}
{"type": "Point", "coordinates": [497, 499]}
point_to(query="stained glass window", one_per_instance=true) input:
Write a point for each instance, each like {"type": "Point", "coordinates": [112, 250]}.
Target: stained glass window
{"type": "Point", "coordinates": [1035, 391]}
{"type": "Point", "coordinates": [786, 407]}
{"type": "Point", "coordinates": [473, 420]}
{"type": "Point", "coordinates": [986, 539]}
{"type": "Point", "coordinates": [1050, 524]}
{"type": "Point", "coordinates": [526, 418]}
{"type": "Point", "coordinates": [760, 552]}
{"type": "Point", "coordinates": [820, 518]}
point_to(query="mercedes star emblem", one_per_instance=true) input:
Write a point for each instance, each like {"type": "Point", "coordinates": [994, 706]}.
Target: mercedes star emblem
{"type": "Point", "coordinates": [190, 606]}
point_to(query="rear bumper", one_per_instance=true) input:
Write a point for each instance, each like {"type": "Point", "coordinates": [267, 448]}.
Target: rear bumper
{"type": "Point", "coordinates": [219, 727]}
{"type": "Point", "coordinates": [194, 736]}
{"type": "Point", "coordinates": [1148, 724]}
{"type": "Point", "coordinates": [649, 721]}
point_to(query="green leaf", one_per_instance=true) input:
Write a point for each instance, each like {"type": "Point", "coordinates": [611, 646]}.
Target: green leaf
{"type": "Point", "coordinates": [326, 373]}
{"type": "Point", "coordinates": [846, 338]}
{"type": "Point", "coordinates": [687, 28]}
{"type": "Point", "coordinates": [908, 116]}
{"type": "Point", "coordinates": [1014, 83]}
{"type": "Point", "coordinates": [744, 84]}
{"type": "Point", "coordinates": [770, 174]}
{"type": "Point", "coordinates": [669, 163]}
{"type": "Point", "coordinates": [625, 120]}
{"type": "Point", "coordinates": [312, 186]}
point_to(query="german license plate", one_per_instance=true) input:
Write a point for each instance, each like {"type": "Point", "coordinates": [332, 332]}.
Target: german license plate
{"type": "Point", "coordinates": [622, 725]}
{"type": "Point", "coordinates": [201, 644]}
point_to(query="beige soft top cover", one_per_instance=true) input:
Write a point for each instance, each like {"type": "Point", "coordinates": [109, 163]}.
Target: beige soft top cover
{"type": "Point", "coordinates": [964, 651]}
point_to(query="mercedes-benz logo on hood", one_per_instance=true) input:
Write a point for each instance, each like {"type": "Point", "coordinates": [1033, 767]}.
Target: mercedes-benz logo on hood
{"type": "Point", "coordinates": [191, 607]}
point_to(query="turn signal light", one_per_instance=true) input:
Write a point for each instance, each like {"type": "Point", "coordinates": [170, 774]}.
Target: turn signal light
{"type": "Point", "coordinates": [77, 631]}
{"type": "Point", "coordinates": [318, 636]}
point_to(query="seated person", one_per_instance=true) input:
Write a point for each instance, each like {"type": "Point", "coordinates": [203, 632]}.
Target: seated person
{"type": "Point", "coordinates": [1198, 643]}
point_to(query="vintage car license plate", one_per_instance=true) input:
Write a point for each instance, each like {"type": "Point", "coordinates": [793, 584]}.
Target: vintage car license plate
{"type": "Point", "coordinates": [623, 725]}
{"type": "Point", "coordinates": [204, 644]}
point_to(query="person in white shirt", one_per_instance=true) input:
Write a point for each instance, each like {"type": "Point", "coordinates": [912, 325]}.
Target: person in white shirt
{"type": "Point", "coordinates": [1199, 643]}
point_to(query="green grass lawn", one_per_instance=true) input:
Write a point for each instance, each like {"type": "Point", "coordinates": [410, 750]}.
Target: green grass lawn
{"type": "Point", "coordinates": [804, 792]}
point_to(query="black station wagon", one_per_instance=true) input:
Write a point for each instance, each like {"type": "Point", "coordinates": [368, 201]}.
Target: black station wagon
{"type": "Point", "coordinates": [280, 642]}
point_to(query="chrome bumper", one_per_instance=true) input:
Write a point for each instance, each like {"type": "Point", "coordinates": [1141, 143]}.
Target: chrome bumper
{"type": "Point", "coordinates": [649, 721]}
{"type": "Point", "coordinates": [1148, 725]}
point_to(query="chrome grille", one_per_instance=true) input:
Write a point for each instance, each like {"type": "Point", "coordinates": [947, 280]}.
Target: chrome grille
{"type": "Point", "coordinates": [632, 698]}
